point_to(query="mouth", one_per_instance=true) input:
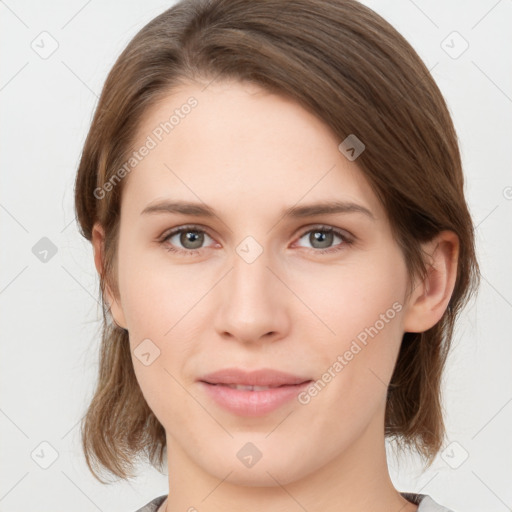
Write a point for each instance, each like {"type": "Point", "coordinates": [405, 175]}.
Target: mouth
{"type": "Point", "coordinates": [254, 393]}
{"type": "Point", "coordinates": [260, 379]}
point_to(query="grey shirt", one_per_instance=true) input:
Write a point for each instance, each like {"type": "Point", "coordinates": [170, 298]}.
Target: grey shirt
{"type": "Point", "coordinates": [425, 502]}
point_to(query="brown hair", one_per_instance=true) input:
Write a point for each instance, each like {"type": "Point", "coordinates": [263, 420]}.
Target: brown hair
{"type": "Point", "coordinates": [343, 62]}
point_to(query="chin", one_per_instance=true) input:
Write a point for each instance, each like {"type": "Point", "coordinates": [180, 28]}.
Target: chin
{"type": "Point", "coordinates": [271, 465]}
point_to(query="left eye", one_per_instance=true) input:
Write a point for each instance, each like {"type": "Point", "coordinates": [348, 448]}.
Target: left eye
{"type": "Point", "coordinates": [323, 237]}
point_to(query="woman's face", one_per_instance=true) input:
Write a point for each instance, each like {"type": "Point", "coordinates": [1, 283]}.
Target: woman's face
{"type": "Point", "coordinates": [257, 281]}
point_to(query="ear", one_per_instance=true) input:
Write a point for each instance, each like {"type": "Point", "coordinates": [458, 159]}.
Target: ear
{"type": "Point", "coordinates": [98, 243]}
{"type": "Point", "coordinates": [431, 296]}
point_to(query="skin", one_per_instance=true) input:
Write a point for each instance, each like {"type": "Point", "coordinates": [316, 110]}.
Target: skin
{"type": "Point", "coordinates": [249, 154]}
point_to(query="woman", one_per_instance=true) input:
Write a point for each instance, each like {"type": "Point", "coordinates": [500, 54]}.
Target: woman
{"type": "Point", "coordinates": [274, 194]}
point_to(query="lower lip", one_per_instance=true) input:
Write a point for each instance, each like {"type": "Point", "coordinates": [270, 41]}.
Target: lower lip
{"type": "Point", "coordinates": [252, 403]}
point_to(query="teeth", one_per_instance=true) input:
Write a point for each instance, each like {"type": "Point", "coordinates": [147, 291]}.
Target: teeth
{"type": "Point", "coordinates": [249, 388]}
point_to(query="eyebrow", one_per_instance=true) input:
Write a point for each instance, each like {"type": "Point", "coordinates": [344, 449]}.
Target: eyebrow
{"type": "Point", "coordinates": [310, 210]}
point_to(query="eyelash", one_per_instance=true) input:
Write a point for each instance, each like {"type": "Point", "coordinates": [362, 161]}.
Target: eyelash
{"type": "Point", "coordinates": [320, 228]}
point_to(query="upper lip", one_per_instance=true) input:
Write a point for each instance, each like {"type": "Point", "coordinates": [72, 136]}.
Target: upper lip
{"type": "Point", "coordinates": [260, 377]}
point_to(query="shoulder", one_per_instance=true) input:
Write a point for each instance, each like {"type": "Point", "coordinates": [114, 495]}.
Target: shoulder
{"type": "Point", "coordinates": [425, 502]}
{"type": "Point", "coordinates": [153, 505]}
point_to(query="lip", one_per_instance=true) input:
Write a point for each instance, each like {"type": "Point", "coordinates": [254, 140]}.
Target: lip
{"type": "Point", "coordinates": [283, 387]}
{"type": "Point", "coordinates": [260, 377]}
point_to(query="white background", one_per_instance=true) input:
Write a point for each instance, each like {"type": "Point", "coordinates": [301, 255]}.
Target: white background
{"type": "Point", "coordinates": [49, 311]}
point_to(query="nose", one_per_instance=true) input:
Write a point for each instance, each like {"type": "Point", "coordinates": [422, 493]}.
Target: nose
{"type": "Point", "coordinates": [253, 302]}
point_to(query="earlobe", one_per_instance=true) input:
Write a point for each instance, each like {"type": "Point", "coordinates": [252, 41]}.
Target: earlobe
{"type": "Point", "coordinates": [431, 296]}
{"type": "Point", "coordinates": [116, 311]}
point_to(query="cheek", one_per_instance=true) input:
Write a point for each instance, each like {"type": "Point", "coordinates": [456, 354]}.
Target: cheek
{"type": "Point", "coordinates": [157, 293]}
{"type": "Point", "coordinates": [357, 312]}
{"type": "Point", "coordinates": [351, 296]}
{"type": "Point", "coordinates": [355, 364]}
{"type": "Point", "coordinates": [159, 310]}
{"type": "Point", "coordinates": [162, 302]}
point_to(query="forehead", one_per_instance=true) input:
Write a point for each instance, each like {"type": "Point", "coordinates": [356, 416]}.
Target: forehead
{"type": "Point", "coordinates": [239, 141]}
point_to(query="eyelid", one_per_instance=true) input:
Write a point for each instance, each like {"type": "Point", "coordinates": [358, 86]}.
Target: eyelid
{"type": "Point", "coordinates": [180, 227]}
{"type": "Point", "coordinates": [346, 235]}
